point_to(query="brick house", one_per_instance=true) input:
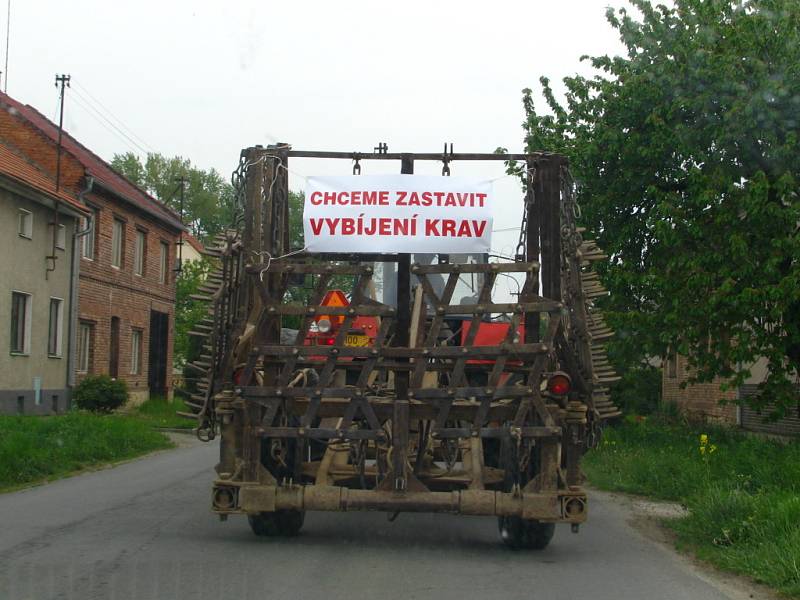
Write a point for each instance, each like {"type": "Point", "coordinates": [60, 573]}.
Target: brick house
{"type": "Point", "coordinates": [126, 286]}
{"type": "Point", "coordinates": [703, 400]}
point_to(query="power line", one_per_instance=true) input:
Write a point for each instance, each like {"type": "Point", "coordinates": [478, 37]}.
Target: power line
{"type": "Point", "coordinates": [84, 108]}
{"type": "Point", "coordinates": [111, 123]}
{"type": "Point", "coordinates": [119, 121]}
{"type": "Point", "coordinates": [116, 130]}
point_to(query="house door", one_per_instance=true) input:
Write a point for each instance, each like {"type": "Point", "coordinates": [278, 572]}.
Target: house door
{"type": "Point", "coordinates": [113, 360]}
{"type": "Point", "coordinates": [157, 361]}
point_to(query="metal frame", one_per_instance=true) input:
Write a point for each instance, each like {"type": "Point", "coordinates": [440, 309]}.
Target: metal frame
{"type": "Point", "coordinates": [275, 399]}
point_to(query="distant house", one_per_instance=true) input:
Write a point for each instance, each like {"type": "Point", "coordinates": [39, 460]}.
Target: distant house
{"type": "Point", "coordinates": [126, 284]}
{"type": "Point", "coordinates": [191, 248]}
{"type": "Point", "coordinates": [708, 401]}
{"type": "Point", "coordinates": [38, 240]}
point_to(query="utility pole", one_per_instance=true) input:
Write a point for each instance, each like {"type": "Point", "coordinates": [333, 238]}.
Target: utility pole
{"type": "Point", "coordinates": [182, 181]}
{"type": "Point", "coordinates": [63, 80]}
{"type": "Point", "coordinates": [8, 36]}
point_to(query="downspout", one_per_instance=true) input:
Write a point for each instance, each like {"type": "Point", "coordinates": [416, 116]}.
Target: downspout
{"type": "Point", "coordinates": [53, 254]}
{"type": "Point", "coordinates": [73, 290]}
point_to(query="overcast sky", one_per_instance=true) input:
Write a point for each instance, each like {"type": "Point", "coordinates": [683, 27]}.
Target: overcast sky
{"type": "Point", "coordinates": [205, 79]}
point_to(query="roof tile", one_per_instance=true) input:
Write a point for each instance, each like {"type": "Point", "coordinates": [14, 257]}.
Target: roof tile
{"type": "Point", "coordinates": [16, 167]}
{"type": "Point", "coordinates": [95, 165]}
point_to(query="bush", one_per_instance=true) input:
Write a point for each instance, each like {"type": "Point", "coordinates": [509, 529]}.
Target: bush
{"type": "Point", "coordinates": [639, 390]}
{"type": "Point", "coordinates": [100, 394]}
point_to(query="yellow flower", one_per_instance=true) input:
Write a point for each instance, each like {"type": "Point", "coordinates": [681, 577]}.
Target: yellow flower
{"type": "Point", "coordinates": [702, 449]}
{"type": "Point", "coordinates": [703, 439]}
{"type": "Point", "coordinates": [712, 448]}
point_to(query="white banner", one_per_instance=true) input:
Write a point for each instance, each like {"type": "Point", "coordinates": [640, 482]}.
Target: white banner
{"type": "Point", "coordinates": [398, 213]}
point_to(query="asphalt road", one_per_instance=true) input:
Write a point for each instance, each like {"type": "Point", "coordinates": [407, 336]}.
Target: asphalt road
{"type": "Point", "coordinates": [143, 530]}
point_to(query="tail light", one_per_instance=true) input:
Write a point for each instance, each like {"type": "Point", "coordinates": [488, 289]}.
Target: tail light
{"type": "Point", "coordinates": [326, 341]}
{"type": "Point", "coordinates": [559, 384]}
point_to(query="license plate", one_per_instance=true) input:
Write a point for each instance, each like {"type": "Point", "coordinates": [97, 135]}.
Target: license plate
{"type": "Point", "coordinates": [356, 340]}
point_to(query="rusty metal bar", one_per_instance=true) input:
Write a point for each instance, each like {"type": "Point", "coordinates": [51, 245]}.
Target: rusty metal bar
{"type": "Point", "coordinates": [412, 156]}
{"type": "Point", "coordinates": [550, 202]}
{"type": "Point", "coordinates": [532, 195]}
{"type": "Point", "coordinates": [496, 432]}
{"type": "Point", "coordinates": [312, 268]}
{"type": "Point", "coordinates": [400, 415]}
{"type": "Point", "coordinates": [514, 267]}
{"type": "Point", "coordinates": [529, 505]}
{"type": "Point", "coordinates": [514, 391]}
{"type": "Point", "coordinates": [380, 310]}
{"type": "Point", "coordinates": [511, 349]}
{"type": "Point", "coordinates": [322, 433]}
{"type": "Point", "coordinates": [364, 269]}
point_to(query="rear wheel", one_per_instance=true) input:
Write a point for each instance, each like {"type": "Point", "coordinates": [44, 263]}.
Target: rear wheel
{"type": "Point", "coordinates": [518, 533]}
{"type": "Point", "coordinates": [525, 534]}
{"type": "Point", "coordinates": [281, 523]}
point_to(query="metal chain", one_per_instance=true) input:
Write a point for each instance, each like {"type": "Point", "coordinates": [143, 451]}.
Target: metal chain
{"type": "Point", "coordinates": [522, 244]}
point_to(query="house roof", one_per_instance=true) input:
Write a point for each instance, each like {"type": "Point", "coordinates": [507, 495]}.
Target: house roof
{"type": "Point", "coordinates": [14, 166]}
{"type": "Point", "coordinates": [95, 166]}
{"type": "Point", "coordinates": [193, 242]}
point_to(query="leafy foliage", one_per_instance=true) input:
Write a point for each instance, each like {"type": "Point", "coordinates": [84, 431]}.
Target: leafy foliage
{"type": "Point", "coordinates": [100, 394]}
{"type": "Point", "coordinates": [189, 312]}
{"type": "Point", "coordinates": [208, 201]}
{"type": "Point", "coordinates": [639, 390]}
{"type": "Point", "coordinates": [687, 153]}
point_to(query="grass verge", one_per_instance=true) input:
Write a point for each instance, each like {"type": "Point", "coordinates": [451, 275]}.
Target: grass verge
{"type": "Point", "coordinates": [34, 448]}
{"type": "Point", "coordinates": [742, 492]}
{"type": "Point", "coordinates": [160, 412]}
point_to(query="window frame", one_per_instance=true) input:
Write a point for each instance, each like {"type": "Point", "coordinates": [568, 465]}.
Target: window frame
{"type": "Point", "coordinates": [59, 333]}
{"type": "Point", "coordinates": [59, 233]}
{"type": "Point", "coordinates": [672, 365]}
{"type": "Point", "coordinates": [136, 350]}
{"type": "Point", "coordinates": [140, 252]}
{"type": "Point", "coordinates": [83, 349]}
{"type": "Point", "coordinates": [163, 262]}
{"type": "Point", "coordinates": [118, 243]}
{"type": "Point", "coordinates": [90, 239]}
{"type": "Point", "coordinates": [28, 231]}
{"type": "Point", "coordinates": [26, 325]}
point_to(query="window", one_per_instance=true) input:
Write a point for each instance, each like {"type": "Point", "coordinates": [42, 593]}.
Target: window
{"type": "Point", "coordinates": [87, 241]}
{"type": "Point", "coordinates": [84, 344]}
{"type": "Point", "coordinates": [139, 252]}
{"type": "Point", "coordinates": [672, 365]}
{"type": "Point", "coordinates": [136, 351]}
{"type": "Point", "coordinates": [20, 323]}
{"type": "Point", "coordinates": [60, 235]}
{"type": "Point", "coordinates": [25, 226]}
{"type": "Point", "coordinates": [117, 243]}
{"type": "Point", "coordinates": [164, 263]}
{"type": "Point", "coordinates": [55, 330]}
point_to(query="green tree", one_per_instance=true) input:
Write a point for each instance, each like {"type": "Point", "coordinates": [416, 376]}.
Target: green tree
{"type": "Point", "coordinates": [208, 198]}
{"type": "Point", "coordinates": [686, 150]}
{"type": "Point", "coordinates": [189, 312]}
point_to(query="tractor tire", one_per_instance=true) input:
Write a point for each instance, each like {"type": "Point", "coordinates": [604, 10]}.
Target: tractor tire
{"type": "Point", "coordinates": [281, 523]}
{"type": "Point", "coordinates": [525, 534]}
